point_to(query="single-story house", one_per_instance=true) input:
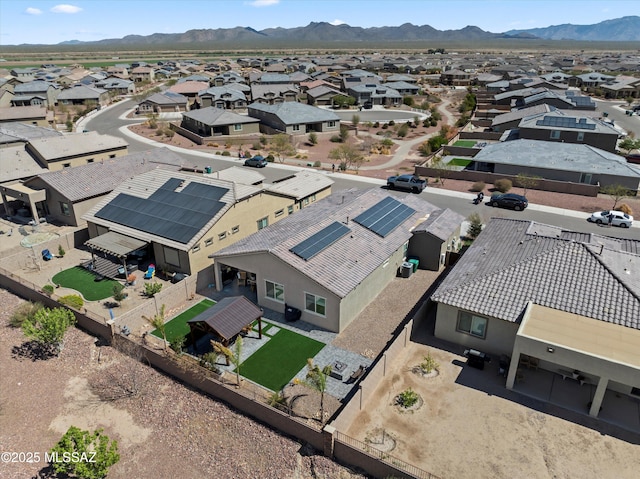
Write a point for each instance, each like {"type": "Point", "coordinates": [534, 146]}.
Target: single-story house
{"type": "Point", "coordinates": [375, 94]}
{"type": "Point", "coordinates": [118, 86]}
{"type": "Point", "coordinates": [564, 301]}
{"type": "Point", "coordinates": [294, 118]}
{"type": "Point", "coordinates": [164, 102]}
{"type": "Point", "coordinates": [403, 87]}
{"type": "Point", "coordinates": [80, 94]}
{"type": "Point", "coordinates": [322, 95]}
{"type": "Point", "coordinates": [571, 162]}
{"type": "Point", "coordinates": [37, 115]}
{"type": "Point", "coordinates": [333, 258]}
{"type": "Point", "coordinates": [212, 121]}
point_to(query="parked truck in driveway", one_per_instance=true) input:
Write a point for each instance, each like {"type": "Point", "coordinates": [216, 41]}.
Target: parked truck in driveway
{"type": "Point", "coordinates": [406, 182]}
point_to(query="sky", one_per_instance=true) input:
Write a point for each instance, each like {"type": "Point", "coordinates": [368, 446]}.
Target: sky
{"type": "Point", "coordinates": [51, 22]}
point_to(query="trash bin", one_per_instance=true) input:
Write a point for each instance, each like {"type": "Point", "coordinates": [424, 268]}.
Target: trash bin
{"type": "Point", "coordinates": [207, 169]}
{"type": "Point", "coordinates": [415, 262]}
{"type": "Point", "coordinates": [406, 269]}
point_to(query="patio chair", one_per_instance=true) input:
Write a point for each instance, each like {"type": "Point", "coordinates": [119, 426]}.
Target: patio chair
{"type": "Point", "coordinates": [357, 374]}
{"type": "Point", "coordinates": [151, 271]}
{"type": "Point", "coordinates": [46, 255]}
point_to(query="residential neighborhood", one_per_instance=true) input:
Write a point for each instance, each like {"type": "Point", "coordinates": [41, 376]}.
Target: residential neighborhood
{"type": "Point", "coordinates": [229, 228]}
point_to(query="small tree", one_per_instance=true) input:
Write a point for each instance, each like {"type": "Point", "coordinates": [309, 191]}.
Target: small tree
{"type": "Point", "coordinates": [281, 145]}
{"type": "Point", "coordinates": [526, 181]}
{"type": "Point", "coordinates": [355, 121]}
{"type": "Point", "coordinates": [96, 453]}
{"type": "Point", "coordinates": [316, 379]}
{"type": "Point", "coordinates": [61, 251]}
{"type": "Point", "coordinates": [313, 138]}
{"type": "Point", "coordinates": [616, 193]}
{"type": "Point", "coordinates": [344, 133]}
{"type": "Point", "coordinates": [346, 154]}
{"type": "Point", "coordinates": [48, 327]}
{"type": "Point", "coordinates": [118, 293]}
{"type": "Point", "coordinates": [233, 357]}
{"type": "Point", "coordinates": [151, 289]}
{"type": "Point", "coordinates": [158, 323]}
{"type": "Point", "coordinates": [475, 225]}
{"type": "Point", "coordinates": [443, 170]}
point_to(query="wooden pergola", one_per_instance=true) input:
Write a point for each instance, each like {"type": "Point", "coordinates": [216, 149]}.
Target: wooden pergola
{"type": "Point", "coordinates": [226, 319]}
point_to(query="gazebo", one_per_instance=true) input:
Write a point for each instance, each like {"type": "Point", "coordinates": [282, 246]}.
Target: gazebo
{"type": "Point", "coordinates": [226, 319]}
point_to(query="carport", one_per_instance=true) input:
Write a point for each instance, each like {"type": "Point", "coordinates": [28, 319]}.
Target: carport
{"type": "Point", "coordinates": [590, 352]}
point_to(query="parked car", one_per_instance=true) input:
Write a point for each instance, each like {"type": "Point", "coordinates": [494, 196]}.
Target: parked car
{"type": "Point", "coordinates": [633, 158]}
{"type": "Point", "coordinates": [509, 200]}
{"type": "Point", "coordinates": [619, 218]}
{"type": "Point", "coordinates": [406, 182]}
{"type": "Point", "coordinates": [257, 162]}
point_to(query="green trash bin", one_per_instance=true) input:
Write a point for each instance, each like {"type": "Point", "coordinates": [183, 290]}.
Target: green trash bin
{"type": "Point", "coordinates": [207, 169]}
{"type": "Point", "coordinates": [415, 262]}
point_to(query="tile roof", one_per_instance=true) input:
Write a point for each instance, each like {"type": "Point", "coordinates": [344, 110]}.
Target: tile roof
{"type": "Point", "coordinates": [218, 116]}
{"type": "Point", "coordinates": [76, 144]}
{"type": "Point", "coordinates": [516, 261]}
{"type": "Point", "coordinates": [580, 122]}
{"type": "Point", "coordinates": [441, 224]}
{"type": "Point", "coordinates": [94, 179]}
{"type": "Point", "coordinates": [293, 113]}
{"type": "Point", "coordinates": [346, 263]}
{"type": "Point", "coordinates": [16, 163]}
{"type": "Point", "coordinates": [22, 112]}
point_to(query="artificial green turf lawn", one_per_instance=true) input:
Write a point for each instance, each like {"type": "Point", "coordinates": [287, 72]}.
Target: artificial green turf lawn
{"type": "Point", "coordinates": [465, 143]}
{"type": "Point", "coordinates": [280, 359]}
{"type": "Point", "coordinates": [82, 280]}
{"type": "Point", "coordinates": [460, 162]}
{"type": "Point", "coordinates": [178, 327]}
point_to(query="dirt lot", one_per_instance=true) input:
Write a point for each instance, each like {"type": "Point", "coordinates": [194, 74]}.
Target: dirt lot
{"type": "Point", "coordinates": [167, 431]}
{"type": "Point", "coordinates": [462, 431]}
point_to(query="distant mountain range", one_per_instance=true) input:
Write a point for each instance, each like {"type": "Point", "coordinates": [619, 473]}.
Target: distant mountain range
{"type": "Point", "coordinates": [622, 29]}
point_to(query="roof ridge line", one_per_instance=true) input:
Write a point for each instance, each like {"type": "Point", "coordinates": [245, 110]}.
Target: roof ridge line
{"type": "Point", "coordinates": [613, 273]}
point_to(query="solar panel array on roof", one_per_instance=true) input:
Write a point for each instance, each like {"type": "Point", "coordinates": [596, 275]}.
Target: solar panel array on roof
{"type": "Point", "coordinates": [171, 214]}
{"type": "Point", "coordinates": [313, 245]}
{"type": "Point", "coordinates": [385, 216]}
{"type": "Point", "coordinates": [566, 122]}
{"type": "Point", "coordinates": [581, 100]}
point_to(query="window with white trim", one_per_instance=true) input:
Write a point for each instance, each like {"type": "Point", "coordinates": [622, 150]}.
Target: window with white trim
{"type": "Point", "coordinates": [279, 213]}
{"type": "Point", "coordinates": [237, 127]}
{"type": "Point", "coordinates": [196, 248]}
{"type": "Point", "coordinates": [263, 222]}
{"type": "Point", "coordinates": [222, 235]}
{"type": "Point", "coordinates": [235, 229]}
{"type": "Point", "coordinates": [274, 291]}
{"type": "Point", "coordinates": [208, 242]}
{"type": "Point", "coordinates": [295, 127]}
{"type": "Point", "coordinates": [315, 304]}
{"type": "Point", "coordinates": [471, 324]}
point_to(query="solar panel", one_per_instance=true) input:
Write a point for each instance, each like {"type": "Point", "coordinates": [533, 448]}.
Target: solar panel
{"type": "Point", "coordinates": [566, 122]}
{"type": "Point", "coordinates": [385, 216]}
{"type": "Point", "coordinates": [313, 245]}
{"type": "Point", "coordinates": [175, 215]}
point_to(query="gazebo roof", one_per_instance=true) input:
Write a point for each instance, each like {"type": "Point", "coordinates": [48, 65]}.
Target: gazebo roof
{"type": "Point", "coordinates": [115, 243]}
{"type": "Point", "coordinates": [229, 316]}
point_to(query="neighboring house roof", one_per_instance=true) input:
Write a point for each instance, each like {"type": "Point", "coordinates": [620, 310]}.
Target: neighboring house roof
{"type": "Point", "coordinates": [80, 92]}
{"type": "Point", "coordinates": [321, 90]}
{"type": "Point", "coordinates": [562, 120]}
{"type": "Point", "coordinates": [94, 179]}
{"type": "Point", "coordinates": [16, 163]}
{"type": "Point", "coordinates": [237, 174]}
{"type": "Point", "coordinates": [294, 113]}
{"type": "Point", "coordinates": [22, 112]}
{"type": "Point", "coordinates": [557, 156]}
{"type": "Point", "coordinates": [229, 316]}
{"type": "Point", "coordinates": [189, 87]}
{"type": "Point", "coordinates": [514, 262]}
{"type": "Point", "coordinates": [376, 91]}
{"type": "Point", "coordinates": [402, 85]}
{"type": "Point", "coordinates": [344, 264]}
{"type": "Point", "coordinates": [12, 131]}
{"type": "Point", "coordinates": [275, 89]}
{"type": "Point", "coordinates": [36, 86]}
{"type": "Point", "coordinates": [228, 93]}
{"type": "Point", "coordinates": [68, 146]}
{"type": "Point", "coordinates": [301, 185]}
{"type": "Point", "coordinates": [167, 98]}
{"type": "Point", "coordinates": [218, 116]}
{"type": "Point", "coordinates": [441, 224]}
{"type": "Point", "coordinates": [522, 113]}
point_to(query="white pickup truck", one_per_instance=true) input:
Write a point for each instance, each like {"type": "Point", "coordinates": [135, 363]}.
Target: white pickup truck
{"type": "Point", "coordinates": [406, 182]}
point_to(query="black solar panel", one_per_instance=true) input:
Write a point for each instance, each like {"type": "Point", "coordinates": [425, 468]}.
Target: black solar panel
{"type": "Point", "coordinates": [566, 122]}
{"type": "Point", "coordinates": [385, 216]}
{"type": "Point", "coordinates": [175, 215]}
{"type": "Point", "coordinates": [313, 245]}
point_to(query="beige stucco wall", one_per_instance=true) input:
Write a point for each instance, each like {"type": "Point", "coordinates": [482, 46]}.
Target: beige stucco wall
{"type": "Point", "coordinates": [80, 160]}
{"type": "Point", "coordinates": [500, 334]}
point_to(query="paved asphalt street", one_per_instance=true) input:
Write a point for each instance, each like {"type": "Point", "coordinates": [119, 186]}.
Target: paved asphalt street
{"type": "Point", "coordinates": [111, 121]}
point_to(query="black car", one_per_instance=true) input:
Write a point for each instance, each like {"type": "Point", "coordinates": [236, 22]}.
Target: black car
{"type": "Point", "coordinates": [509, 200]}
{"type": "Point", "coordinates": [257, 161]}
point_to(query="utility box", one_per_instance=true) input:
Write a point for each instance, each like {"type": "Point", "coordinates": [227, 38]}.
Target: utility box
{"type": "Point", "coordinates": [406, 269]}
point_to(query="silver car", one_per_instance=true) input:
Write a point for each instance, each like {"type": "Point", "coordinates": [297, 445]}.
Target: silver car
{"type": "Point", "coordinates": [616, 218]}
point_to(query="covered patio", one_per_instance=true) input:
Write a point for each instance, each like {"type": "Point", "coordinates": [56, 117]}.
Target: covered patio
{"type": "Point", "coordinates": [115, 247]}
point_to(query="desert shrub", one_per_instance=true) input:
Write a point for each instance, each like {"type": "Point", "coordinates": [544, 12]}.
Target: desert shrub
{"type": "Point", "coordinates": [270, 158]}
{"type": "Point", "coordinates": [72, 300]}
{"type": "Point", "coordinates": [478, 186]}
{"type": "Point", "coordinates": [408, 398]}
{"type": "Point", "coordinates": [433, 122]}
{"type": "Point", "coordinates": [403, 131]}
{"type": "Point", "coordinates": [151, 289]}
{"type": "Point", "coordinates": [209, 144]}
{"type": "Point", "coordinates": [503, 185]}
{"type": "Point", "coordinates": [335, 139]}
{"type": "Point", "coordinates": [376, 124]}
{"type": "Point", "coordinates": [428, 363]}
{"type": "Point", "coordinates": [177, 344]}
{"type": "Point", "coordinates": [24, 312]}
{"type": "Point", "coordinates": [226, 153]}
{"type": "Point", "coordinates": [625, 208]}
{"type": "Point", "coordinates": [317, 164]}
{"type": "Point", "coordinates": [385, 126]}
{"type": "Point", "coordinates": [391, 122]}
{"type": "Point", "coordinates": [61, 251]}
{"type": "Point", "coordinates": [313, 138]}
{"type": "Point", "coordinates": [263, 140]}
{"type": "Point", "coordinates": [159, 131]}
{"type": "Point", "coordinates": [256, 146]}
{"type": "Point", "coordinates": [48, 289]}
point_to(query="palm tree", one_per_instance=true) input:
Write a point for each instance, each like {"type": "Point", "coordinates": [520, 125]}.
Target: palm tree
{"type": "Point", "coordinates": [230, 356]}
{"type": "Point", "coordinates": [316, 379]}
{"type": "Point", "coordinates": [158, 323]}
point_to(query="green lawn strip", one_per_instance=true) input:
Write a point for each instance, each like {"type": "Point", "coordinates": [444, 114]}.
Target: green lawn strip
{"type": "Point", "coordinates": [460, 162]}
{"type": "Point", "coordinates": [465, 143]}
{"type": "Point", "coordinates": [82, 280]}
{"type": "Point", "coordinates": [280, 359]}
{"type": "Point", "coordinates": [178, 327]}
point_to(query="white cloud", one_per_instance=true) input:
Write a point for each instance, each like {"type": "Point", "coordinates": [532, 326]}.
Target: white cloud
{"type": "Point", "coordinates": [33, 11]}
{"type": "Point", "coordinates": [66, 9]}
{"type": "Point", "coordinates": [337, 22]}
{"type": "Point", "coordinates": [264, 3]}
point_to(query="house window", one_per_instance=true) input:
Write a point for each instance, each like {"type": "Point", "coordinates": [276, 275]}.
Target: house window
{"type": "Point", "coordinates": [296, 127]}
{"type": "Point", "coordinates": [112, 156]}
{"type": "Point", "coordinates": [315, 304]}
{"type": "Point", "coordinates": [66, 165]}
{"type": "Point", "coordinates": [279, 213]}
{"type": "Point", "coordinates": [580, 136]}
{"type": "Point", "coordinates": [313, 198]}
{"type": "Point", "coordinates": [585, 178]}
{"type": "Point", "coordinates": [331, 124]}
{"type": "Point", "coordinates": [196, 248]}
{"type": "Point", "coordinates": [90, 160]}
{"type": "Point", "coordinates": [237, 127]}
{"type": "Point", "coordinates": [275, 291]}
{"type": "Point", "coordinates": [208, 242]}
{"type": "Point", "coordinates": [235, 229]}
{"type": "Point", "coordinates": [290, 209]}
{"type": "Point", "coordinates": [472, 324]}
{"type": "Point", "coordinates": [555, 134]}
{"type": "Point", "coordinates": [171, 256]}
{"type": "Point", "coordinates": [64, 208]}
{"type": "Point", "coordinates": [305, 202]}
{"type": "Point", "coordinates": [263, 223]}
{"type": "Point", "coordinates": [222, 236]}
